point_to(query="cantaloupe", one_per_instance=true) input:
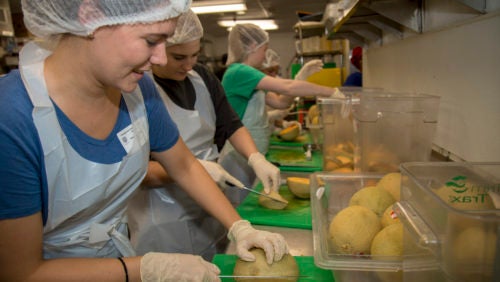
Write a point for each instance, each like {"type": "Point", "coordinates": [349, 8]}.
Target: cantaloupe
{"type": "Point", "coordinates": [287, 266]}
{"type": "Point", "coordinates": [388, 245]}
{"type": "Point", "coordinates": [373, 198]}
{"type": "Point", "coordinates": [299, 186]}
{"type": "Point", "coordinates": [290, 133]}
{"type": "Point", "coordinates": [389, 217]}
{"type": "Point", "coordinates": [391, 182]}
{"type": "Point", "coordinates": [313, 113]}
{"type": "Point", "coordinates": [352, 230]}
{"type": "Point", "coordinates": [272, 204]}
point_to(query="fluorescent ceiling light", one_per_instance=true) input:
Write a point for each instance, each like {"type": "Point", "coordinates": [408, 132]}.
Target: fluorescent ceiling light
{"type": "Point", "coordinates": [208, 7]}
{"type": "Point", "coordinates": [264, 24]}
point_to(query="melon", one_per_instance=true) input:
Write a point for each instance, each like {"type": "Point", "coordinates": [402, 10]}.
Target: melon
{"type": "Point", "coordinates": [299, 186]}
{"type": "Point", "coordinates": [272, 204]}
{"type": "Point", "coordinates": [287, 266]}
{"type": "Point", "coordinates": [373, 198]}
{"type": "Point", "coordinates": [389, 217]}
{"type": "Point", "coordinates": [391, 182]}
{"type": "Point", "coordinates": [352, 230]}
{"type": "Point", "coordinates": [290, 133]}
{"type": "Point", "coordinates": [313, 113]}
{"type": "Point", "coordinates": [388, 245]}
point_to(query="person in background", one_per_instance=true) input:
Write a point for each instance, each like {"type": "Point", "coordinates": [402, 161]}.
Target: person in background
{"type": "Point", "coordinates": [166, 218]}
{"type": "Point", "coordinates": [271, 67]}
{"type": "Point", "coordinates": [221, 68]}
{"type": "Point", "coordinates": [79, 122]}
{"type": "Point", "coordinates": [356, 78]}
{"type": "Point", "coordinates": [246, 87]}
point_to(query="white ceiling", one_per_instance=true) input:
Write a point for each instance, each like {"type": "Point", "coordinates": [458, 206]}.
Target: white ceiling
{"type": "Point", "coordinates": [284, 12]}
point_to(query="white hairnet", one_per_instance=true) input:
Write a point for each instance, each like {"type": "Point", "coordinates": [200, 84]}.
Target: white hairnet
{"type": "Point", "coordinates": [244, 39]}
{"type": "Point", "coordinates": [188, 29]}
{"type": "Point", "coordinates": [45, 18]}
{"type": "Point", "coordinates": [272, 59]}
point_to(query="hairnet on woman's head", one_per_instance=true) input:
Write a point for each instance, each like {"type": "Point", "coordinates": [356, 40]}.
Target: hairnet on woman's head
{"type": "Point", "coordinates": [188, 29]}
{"type": "Point", "coordinates": [45, 18]}
{"type": "Point", "coordinates": [272, 59]}
{"type": "Point", "coordinates": [244, 39]}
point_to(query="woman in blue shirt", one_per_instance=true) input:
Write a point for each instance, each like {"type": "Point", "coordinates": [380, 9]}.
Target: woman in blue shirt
{"type": "Point", "coordinates": [76, 135]}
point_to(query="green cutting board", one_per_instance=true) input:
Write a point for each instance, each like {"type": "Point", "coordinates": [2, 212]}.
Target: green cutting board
{"type": "Point", "coordinates": [297, 213]}
{"type": "Point", "coordinates": [306, 268]}
{"type": "Point", "coordinates": [304, 138]}
{"type": "Point", "coordinates": [294, 159]}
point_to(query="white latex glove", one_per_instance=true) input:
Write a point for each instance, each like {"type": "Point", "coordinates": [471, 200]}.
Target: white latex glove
{"type": "Point", "coordinates": [161, 267]}
{"type": "Point", "coordinates": [309, 68]}
{"type": "Point", "coordinates": [219, 174]}
{"type": "Point", "coordinates": [268, 173]}
{"type": "Point", "coordinates": [274, 115]}
{"type": "Point", "coordinates": [246, 237]}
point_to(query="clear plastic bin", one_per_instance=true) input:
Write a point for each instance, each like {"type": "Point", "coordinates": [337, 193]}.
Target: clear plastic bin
{"type": "Point", "coordinates": [453, 220]}
{"type": "Point", "coordinates": [331, 193]}
{"type": "Point", "coordinates": [338, 130]}
{"type": "Point", "coordinates": [393, 128]}
{"type": "Point", "coordinates": [380, 131]}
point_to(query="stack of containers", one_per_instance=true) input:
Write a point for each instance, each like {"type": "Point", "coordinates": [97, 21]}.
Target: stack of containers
{"type": "Point", "coordinates": [449, 220]}
{"type": "Point", "coordinates": [373, 130]}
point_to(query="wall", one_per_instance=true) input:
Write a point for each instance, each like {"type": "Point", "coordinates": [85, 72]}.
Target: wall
{"type": "Point", "coordinates": [461, 65]}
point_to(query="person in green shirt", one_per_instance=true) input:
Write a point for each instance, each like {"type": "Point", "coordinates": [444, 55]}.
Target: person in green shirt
{"type": "Point", "coordinates": [249, 90]}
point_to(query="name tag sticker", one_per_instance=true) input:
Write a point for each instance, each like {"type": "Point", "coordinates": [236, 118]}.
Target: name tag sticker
{"type": "Point", "coordinates": [126, 137]}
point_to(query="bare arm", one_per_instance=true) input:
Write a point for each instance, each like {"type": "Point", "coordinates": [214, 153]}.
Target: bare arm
{"type": "Point", "coordinates": [243, 143]}
{"type": "Point", "coordinates": [156, 176]}
{"type": "Point", "coordinates": [187, 171]}
{"type": "Point", "coordinates": [291, 87]}
{"type": "Point", "coordinates": [278, 101]}
{"type": "Point", "coordinates": [21, 258]}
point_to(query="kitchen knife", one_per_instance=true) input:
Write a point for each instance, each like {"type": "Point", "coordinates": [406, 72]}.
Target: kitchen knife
{"type": "Point", "coordinates": [291, 164]}
{"type": "Point", "coordinates": [264, 277]}
{"type": "Point", "coordinates": [253, 191]}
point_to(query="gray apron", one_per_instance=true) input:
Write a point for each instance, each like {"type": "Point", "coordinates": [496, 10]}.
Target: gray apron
{"type": "Point", "coordinates": [167, 219]}
{"type": "Point", "coordinates": [256, 121]}
{"type": "Point", "coordinates": [86, 200]}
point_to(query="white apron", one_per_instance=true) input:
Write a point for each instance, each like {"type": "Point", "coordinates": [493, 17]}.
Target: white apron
{"type": "Point", "coordinates": [167, 219]}
{"type": "Point", "coordinates": [256, 121]}
{"type": "Point", "coordinates": [86, 200]}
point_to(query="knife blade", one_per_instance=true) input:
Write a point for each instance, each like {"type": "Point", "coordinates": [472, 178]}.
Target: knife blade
{"type": "Point", "coordinates": [264, 277]}
{"type": "Point", "coordinates": [291, 164]}
{"type": "Point", "coordinates": [253, 191]}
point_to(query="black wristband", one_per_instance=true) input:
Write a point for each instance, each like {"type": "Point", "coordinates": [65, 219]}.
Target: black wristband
{"type": "Point", "coordinates": [124, 268]}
